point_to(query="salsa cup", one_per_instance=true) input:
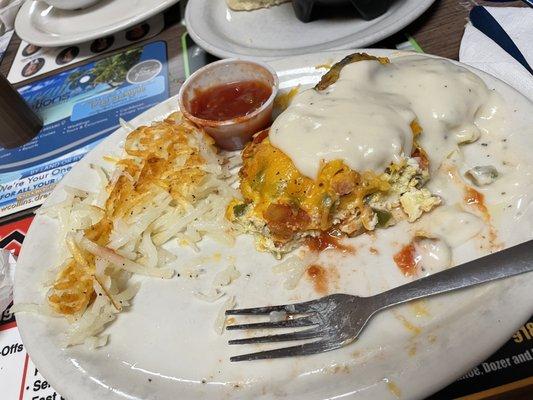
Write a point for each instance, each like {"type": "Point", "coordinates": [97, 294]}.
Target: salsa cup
{"type": "Point", "coordinates": [231, 134]}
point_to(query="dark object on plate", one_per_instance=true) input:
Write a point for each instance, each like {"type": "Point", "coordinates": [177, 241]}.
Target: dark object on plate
{"type": "Point", "coordinates": [308, 10]}
{"type": "Point", "coordinates": [18, 123]}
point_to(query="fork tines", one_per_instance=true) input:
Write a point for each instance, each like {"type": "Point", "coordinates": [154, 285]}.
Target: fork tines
{"type": "Point", "coordinates": [287, 323]}
{"type": "Point", "coordinates": [298, 350]}
{"type": "Point", "coordinates": [288, 308]}
{"type": "Point", "coordinates": [310, 319]}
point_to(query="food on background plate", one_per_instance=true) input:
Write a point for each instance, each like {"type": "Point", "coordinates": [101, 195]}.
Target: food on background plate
{"type": "Point", "coordinates": [249, 5]}
{"type": "Point", "coordinates": [170, 184]}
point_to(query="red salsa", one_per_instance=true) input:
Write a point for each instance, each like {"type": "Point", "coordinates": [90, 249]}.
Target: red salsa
{"type": "Point", "coordinates": [318, 276]}
{"type": "Point", "coordinates": [326, 241]}
{"type": "Point", "coordinates": [230, 100]}
{"type": "Point", "coordinates": [406, 259]}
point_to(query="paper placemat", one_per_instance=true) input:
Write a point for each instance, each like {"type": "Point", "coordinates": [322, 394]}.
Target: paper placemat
{"type": "Point", "coordinates": [32, 61]}
{"type": "Point", "coordinates": [79, 107]}
{"type": "Point", "coordinates": [19, 378]}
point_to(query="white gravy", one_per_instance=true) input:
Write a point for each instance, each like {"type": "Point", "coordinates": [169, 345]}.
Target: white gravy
{"type": "Point", "coordinates": [433, 255]}
{"type": "Point", "coordinates": [364, 118]}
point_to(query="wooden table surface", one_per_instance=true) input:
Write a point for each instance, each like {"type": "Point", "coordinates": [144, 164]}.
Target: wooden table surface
{"type": "Point", "coordinates": [438, 31]}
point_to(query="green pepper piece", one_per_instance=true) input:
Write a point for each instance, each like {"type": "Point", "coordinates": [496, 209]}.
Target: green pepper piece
{"type": "Point", "coordinates": [239, 209]}
{"type": "Point", "coordinates": [383, 218]}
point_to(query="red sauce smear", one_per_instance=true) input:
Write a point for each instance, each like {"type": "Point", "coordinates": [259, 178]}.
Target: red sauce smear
{"type": "Point", "coordinates": [405, 259]}
{"type": "Point", "coordinates": [474, 198]}
{"type": "Point", "coordinates": [283, 220]}
{"type": "Point", "coordinates": [229, 100]}
{"type": "Point", "coordinates": [319, 277]}
{"type": "Point", "coordinates": [422, 156]}
{"type": "Point", "coordinates": [326, 241]}
{"type": "Point", "coordinates": [259, 137]}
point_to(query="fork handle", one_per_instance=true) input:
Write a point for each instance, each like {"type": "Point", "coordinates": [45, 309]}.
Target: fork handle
{"type": "Point", "coordinates": [512, 261]}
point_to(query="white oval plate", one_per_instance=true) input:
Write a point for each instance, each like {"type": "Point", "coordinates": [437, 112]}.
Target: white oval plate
{"type": "Point", "coordinates": [276, 32]}
{"type": "Point", "coordinates": [165, 347]}
{"type": "Point", "coordinates": [46, 26]}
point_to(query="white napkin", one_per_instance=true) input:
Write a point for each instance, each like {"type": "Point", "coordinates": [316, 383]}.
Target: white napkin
{"type": "Point", "coordinates": [481, 52]}
{"type": "Point", "coordinates": [7, 274]}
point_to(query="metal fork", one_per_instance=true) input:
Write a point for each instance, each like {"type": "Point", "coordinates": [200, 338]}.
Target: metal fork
{"type": "Point", "coordinates": [337, 320]}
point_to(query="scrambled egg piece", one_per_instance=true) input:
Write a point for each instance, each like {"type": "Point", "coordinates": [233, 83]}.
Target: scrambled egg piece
{"type": "Point", "coordinates": [249, 5]}
{"type": "Point", "coordinates": [415, 202]}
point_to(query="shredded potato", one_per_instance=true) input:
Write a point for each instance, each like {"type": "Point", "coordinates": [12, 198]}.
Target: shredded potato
{"type": "Point", "coordinates": [170, 184]}
{"type": "Point", "coordinates": [294, 268]}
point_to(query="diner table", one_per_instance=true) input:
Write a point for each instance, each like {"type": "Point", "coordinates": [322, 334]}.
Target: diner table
{"type": "Point", "coordinates": [438, 31]}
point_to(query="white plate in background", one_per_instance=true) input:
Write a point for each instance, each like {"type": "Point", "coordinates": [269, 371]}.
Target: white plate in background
{"type": "Point", "coordinates": [276, 32]}
{"type": "Point", "coordinates": [46, 26]}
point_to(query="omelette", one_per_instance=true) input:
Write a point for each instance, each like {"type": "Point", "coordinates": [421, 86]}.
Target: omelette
{"type": "Point", "coordinates": [284, 207]}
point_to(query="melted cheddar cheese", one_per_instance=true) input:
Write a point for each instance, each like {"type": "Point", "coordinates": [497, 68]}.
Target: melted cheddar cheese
{"type": "Point", "coordinates": [283, 206]}
{"type": "Point", "coordinates": [278, 190]}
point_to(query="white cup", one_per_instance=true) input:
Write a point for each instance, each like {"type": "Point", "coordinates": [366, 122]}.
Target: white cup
{"type": "Point", "coordinates": [71, 4]}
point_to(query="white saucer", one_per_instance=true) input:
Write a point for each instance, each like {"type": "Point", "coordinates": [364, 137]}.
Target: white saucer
{"type": "Point", "coordinates": [276, 32]}
{"type": "Point", "coordinates": [46, 26]}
